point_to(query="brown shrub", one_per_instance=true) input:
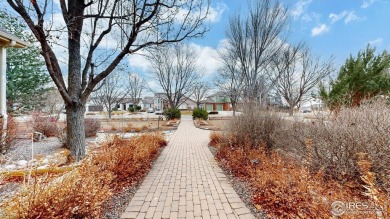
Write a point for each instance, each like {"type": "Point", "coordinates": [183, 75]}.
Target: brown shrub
{"type": "Point", "coordinates": [128, 128]}
{"type": "Point", "coordinates": [284, 186]}
{"type": "Point", "coordinates": [215, 138]}
{"type": "Point", "coordinates": [129, 159]}
{"type": "Point", "coordinates": [254, 128]}
{"type": "Point", "coordinates": [114, 127]}
{"type": "Point", "coordinates": [92, 126]}
{"type": "Point", "coordinates": [137, 129]}
{"type": "Point", "coordinates": [281, 186]}
{"type": "Point", "coordinates": [336, 143]}
{"type": "Point", "coordinates": [285, 189]}
{"type": "Point", "coordinates": [47, 125]}
{"type": "Point", "coordinates": [237, 161]}
{"type": "Point", "coordinates": [77, 194]}
{"type": "Point", "coordinates": [9, 135]}
{"type": "Point", "coordinates": [81, 192]}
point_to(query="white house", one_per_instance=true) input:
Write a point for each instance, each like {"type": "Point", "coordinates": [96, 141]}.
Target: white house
{"type": "Point", "coordinates": [161, 102]}
{"type": "Point", "coordinates": [188, 104]}
{"type": "Point", "coordinates": [147, 102]}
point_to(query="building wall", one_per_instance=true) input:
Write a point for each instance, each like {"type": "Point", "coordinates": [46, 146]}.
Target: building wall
{"type": "Point", "coordinates": [217, 106]}
{"type": "Point", "coordinates": [147, 105]}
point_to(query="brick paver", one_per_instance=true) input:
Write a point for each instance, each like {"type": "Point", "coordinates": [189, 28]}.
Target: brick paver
{"type": "Point", "coordinates": [186, 182]}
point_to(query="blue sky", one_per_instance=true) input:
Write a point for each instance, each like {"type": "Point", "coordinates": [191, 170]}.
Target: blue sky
{"type": "Point", "coordinates": [329, 27]}
{"type": "Point", "coordinates": [335, 28]}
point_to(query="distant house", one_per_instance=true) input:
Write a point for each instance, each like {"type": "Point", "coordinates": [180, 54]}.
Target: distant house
{"type": "Point", "coordinates": [127, 103]}
{"type": "Point", "coordinates": [91, 106]}
{"type": "Point", "coordinates": [161, 102]}
{"type": "Point", "coordinates": [146, 103]}
{"type": "Point", "coordinates": [217, 102]}
{"type": "Point", "coordinates": [188, 104]}
{"type": "Point", "coordinates": [121, 105]}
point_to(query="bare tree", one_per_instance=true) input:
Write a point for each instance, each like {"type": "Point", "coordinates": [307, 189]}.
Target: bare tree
{"type": "Point", "coordinates": [88, 26]}
{"type": "Point", "coordinates": [229, 79]}
{"type": "Point", "coordinates": [176, 71]}
{"type": "Point", "coordinates": [112, 90]}
{"type": "Point", "coordinates": [136, 86]}
{"type": "Point", "coordinates": [298, 72]}
{"type": "Point", "coordinates": [200, 91]}
{"type": "Point", "coordinates": [53, 102]}
{"type": "Point", "coordinates": [254, 40]}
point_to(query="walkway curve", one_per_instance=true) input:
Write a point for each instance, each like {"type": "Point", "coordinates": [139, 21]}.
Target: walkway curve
{"type": "Point", "coordinates": [186, 182]}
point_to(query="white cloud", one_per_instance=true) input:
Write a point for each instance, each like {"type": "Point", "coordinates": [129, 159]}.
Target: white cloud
{"type": "Point", "coordinates": [207, 61]}
{"type": "Point", "coordinates": [139, 61]}
{"type": "Point", "coordinates": [348, 17]}
{"type": "Point", "coordinates": [321, 29]}
{"type": "Point", "coordinates": [312, 16]}
{"type": "Point", "coordinates": [351, 16]}
{"type": "Point", "coordinates": [336, 17]}
{"type": "Point", "coordinates": [367, 3]}
{"type": "Point", "coordinates": [215, 13]}
{"type": "Point", "coordinates": [299, 8]}
{"type": "Point", "coordinates": [376, 42]}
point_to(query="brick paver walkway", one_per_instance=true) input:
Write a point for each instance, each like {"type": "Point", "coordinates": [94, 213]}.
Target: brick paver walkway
{"type": "Point", "coordinates": [186, 182]}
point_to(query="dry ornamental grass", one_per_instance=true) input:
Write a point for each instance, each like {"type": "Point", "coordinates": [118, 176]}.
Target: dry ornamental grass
{"type": "Point", "coordinates": [81, 192]}
{"type": "Point", "coordinates": [297, 169]}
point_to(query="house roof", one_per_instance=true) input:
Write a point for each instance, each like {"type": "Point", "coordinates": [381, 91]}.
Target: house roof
{"type": "Point", "coordinates": [129, 100]}
{"type": "Point", "coordinates": [211, 98]}
{"type": "Point", "coordinates": [219, 93]}
{"type": "Point", "coordinates": [7, 38]}
{"type": "Point", "coordinates": [148, 100]}
{"type": "Point", "coordinates": [164, 97]}
{"type": "Point", "coordinates": [189, 101]}
{"type": "Point", "coordinates": [161, 95]}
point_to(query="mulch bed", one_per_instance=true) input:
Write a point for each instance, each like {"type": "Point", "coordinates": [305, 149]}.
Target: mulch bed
{"type": "Point", "coordinates": [118, 203]}
{"type": "Point", "coordinates": [243, 189]}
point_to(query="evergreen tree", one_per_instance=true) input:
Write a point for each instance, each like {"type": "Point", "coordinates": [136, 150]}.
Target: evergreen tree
{"type": "Point", "coordinates": [360, 78]}
{"type": "Point", "coordinates": [26, 78]}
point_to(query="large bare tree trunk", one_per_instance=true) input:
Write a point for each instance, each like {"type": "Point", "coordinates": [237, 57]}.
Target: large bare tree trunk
{"type": "Point", "coordinates": [75, 110]}
{"type": "Point", "coordinates": [291, 110]}
{"type": "Point", "coordinates": [75, 130]}
{"type": "Point", "coordinates": [234, 106]}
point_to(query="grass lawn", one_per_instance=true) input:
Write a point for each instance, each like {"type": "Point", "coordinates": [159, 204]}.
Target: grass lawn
{"type": "Point", "coordinates": [186, 112]}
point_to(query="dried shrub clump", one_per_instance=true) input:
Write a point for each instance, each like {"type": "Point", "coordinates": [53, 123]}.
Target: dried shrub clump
{"type": "Point", "coordinates": [285, 189]}
{"type": "Point", "coordinates": [298, 169]}
{"type": "Point", "coordinates": [7, 137]}
{"type": "Point", "coordinates": [81, 192]}
{"type": "Point", "coordinates": [281, 186]}
{"type": "Point", "coordinates": [77, 194]}
{"type": "Point", "coordinates": [92, 126]}
{"type": "Point", "coordinates": [128, 128]}
{"type": "Point", "coordinates": [254, 129]}
{"type": "Point", "coordinates": [239, 162]}
{"type": "Point", "coordinates": [336, 143]}
{"type": "Point", "coordinates": [129, 159]}
{"type": "Point", "coordinates": [47, 125]}
{"type": "Point", "coordinates": [215, 138]}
